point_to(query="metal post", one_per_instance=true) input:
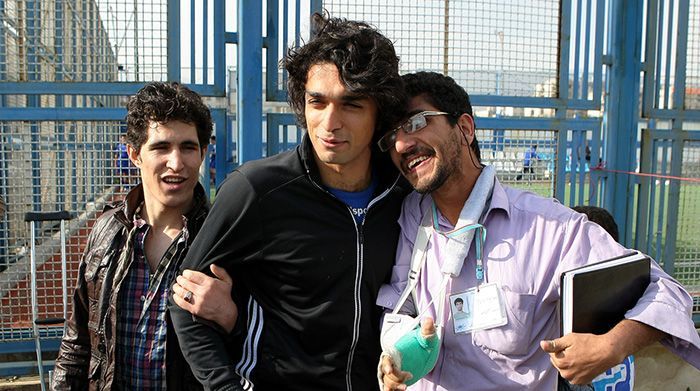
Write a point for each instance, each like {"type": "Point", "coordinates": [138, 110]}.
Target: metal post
{"type": "Point", "coordinates": [3, 56]}
{"type": "Point", "coordinates": [193, 43]}
{"type": "Point", "coordinates": [623, 113]}
{"type": "Point", "coordinates": [249, 104]}
{"type": "Point", "coordinates": [315, 6]}
{"type": "Point", "coordinates": [275, 32]}
{"type": "Point", "coordinates": [64, 273]}
{"type": "Point", "coordinates": [60, 128]}
{"type": "Point", "coordinates": [35, 305]}
{"type": "Point", "coordinates": [561, 109]}
{"type": "Point", "coordinates": [669, 254]}
{"type": "Point", "coordinates": [220, 47]}
{"type": "Point", "coordinates": [173, 44]}
{"type": "Point", "coordinates": [3, 140]}
{"type": "Point", "coordinates": [32, 74]}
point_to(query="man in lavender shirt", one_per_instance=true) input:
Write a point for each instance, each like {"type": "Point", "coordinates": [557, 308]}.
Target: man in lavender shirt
{"type": "Point", "coordinates": [530, 241]}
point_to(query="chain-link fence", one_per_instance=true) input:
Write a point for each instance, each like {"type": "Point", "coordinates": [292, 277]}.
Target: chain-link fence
{"type": "Point", "coordinates": [687, 259]}
{"type": "Point", "coordinates": [49, 166]}
{"type": "Point", "coordinates": [522, 158]}
{"type": "Point", "coordinates": [489, 47]}
{"type": "Point", "coordinates": [83, 41]}
{"type": "Point", "coordinates": [494, 48]}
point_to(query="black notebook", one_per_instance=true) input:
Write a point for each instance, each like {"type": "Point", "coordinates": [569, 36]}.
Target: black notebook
{"type": "Point", "coordinates": [595, 297]}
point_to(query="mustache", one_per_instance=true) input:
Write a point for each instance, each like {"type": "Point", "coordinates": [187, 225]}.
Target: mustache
{"type": "Point", "coordinates": [416, 151]}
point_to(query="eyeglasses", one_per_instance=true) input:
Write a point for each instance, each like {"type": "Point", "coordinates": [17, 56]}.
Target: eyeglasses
{"type": "Point", "coordinates": [411, 125]}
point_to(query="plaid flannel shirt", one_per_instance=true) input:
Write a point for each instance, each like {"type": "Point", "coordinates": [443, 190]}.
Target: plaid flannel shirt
{"type": "Point", "coordinates": [142, 325]}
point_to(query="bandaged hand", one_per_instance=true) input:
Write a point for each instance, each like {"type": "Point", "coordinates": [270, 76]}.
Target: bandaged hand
{"type": "Point", "coordinates": [413, 356]}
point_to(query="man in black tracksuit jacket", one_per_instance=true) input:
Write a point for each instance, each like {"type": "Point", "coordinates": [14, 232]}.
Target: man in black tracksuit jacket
{"type": "Point", "coordinates": [308, 268]}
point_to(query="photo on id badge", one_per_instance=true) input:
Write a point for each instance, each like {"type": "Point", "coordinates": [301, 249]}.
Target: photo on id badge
{"type": "Point", "coordinates": [460, 305]}
{"type": "Point", "coordinates": [478, 308]}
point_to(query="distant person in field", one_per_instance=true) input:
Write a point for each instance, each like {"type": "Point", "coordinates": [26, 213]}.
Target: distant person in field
{"type": "Point", "coordinates": [530, 156]}
{"type": "Point", "coordinates": [212, 160]}
{"type": "Point", "coordinates": [125, 169]}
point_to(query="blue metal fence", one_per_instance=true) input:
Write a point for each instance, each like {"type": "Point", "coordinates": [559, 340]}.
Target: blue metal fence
{"type": "Point", "coordinates": [568, 83]}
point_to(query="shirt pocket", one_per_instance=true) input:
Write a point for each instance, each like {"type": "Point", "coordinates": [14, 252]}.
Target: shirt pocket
{"type": "Point", "coordinates": [514, 337]}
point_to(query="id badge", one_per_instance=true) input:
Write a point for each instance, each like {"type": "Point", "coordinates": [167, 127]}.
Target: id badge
{"type": "Point", "coordinates": [478, 309]}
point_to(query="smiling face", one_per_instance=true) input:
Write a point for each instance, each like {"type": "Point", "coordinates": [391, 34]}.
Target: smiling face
{"type": "Point", "coordinates": [340, 123]}
{"type": "Point", "coordinates": [169, 161]}
{"type": "Point", "coordinates": [434, 155]}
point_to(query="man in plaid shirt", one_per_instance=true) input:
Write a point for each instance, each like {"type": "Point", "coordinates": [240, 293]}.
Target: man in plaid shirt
{"type": "Point", "coordinates": [120, 334]}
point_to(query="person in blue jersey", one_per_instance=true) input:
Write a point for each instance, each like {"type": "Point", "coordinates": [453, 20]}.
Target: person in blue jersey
{"type": "Point", "coordinates": [125, 170]}
{"type": "Point", "coordinates": [212, 160]}
{"type": "Point", "coordinates": [530, 156]}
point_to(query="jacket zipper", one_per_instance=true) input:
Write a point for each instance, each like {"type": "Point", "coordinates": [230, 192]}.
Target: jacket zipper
{"type": "Point", "coordinates": [358, 276]}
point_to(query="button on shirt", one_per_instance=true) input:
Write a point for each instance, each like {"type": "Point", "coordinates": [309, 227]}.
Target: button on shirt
{"type": "Point", "coordinates": [530, 242]}
{"type": "Point", "coordinates": [142, 325]}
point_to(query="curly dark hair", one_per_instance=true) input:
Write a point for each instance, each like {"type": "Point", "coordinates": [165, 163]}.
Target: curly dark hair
{"type": "Point", "coordinates": [164, 102]}
{"type": "Point", "coordinates": [444, 94]}
{"type": "Point", "coordinates": [366, 62]}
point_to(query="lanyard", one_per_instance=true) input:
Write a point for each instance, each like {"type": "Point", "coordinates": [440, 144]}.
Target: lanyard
{"type": "Point", "coordinates": [419, 255]}
{"type": "Point", "coordinates": [461, 233]}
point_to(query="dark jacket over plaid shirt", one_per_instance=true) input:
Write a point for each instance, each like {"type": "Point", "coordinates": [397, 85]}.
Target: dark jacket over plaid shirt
{"type": "Point", "coordinates": [86, 359]}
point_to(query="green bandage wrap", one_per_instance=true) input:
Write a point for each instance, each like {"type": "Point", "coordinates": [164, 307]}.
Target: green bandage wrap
{"type": "Point", "coordinates": [418, 354]}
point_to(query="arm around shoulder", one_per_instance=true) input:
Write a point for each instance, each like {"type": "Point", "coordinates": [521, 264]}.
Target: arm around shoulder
{"type": "Point", "coordinates": [228, 236]}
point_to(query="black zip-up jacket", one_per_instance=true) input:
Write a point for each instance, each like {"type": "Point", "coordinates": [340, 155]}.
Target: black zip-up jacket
{"type": "Point", "coordinates": [310, 272]}
{"type": "Point", "coordinates": [86, 359]}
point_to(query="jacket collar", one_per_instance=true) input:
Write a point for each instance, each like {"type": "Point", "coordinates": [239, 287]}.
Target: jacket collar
{"type": "Point", "coordinates": [387, 174]}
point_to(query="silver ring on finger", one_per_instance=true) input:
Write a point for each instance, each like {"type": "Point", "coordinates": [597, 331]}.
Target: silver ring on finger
{"type": "Point", "coordinates": [188, 296]}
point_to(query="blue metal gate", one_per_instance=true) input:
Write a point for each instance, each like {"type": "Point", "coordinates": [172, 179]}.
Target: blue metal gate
{"type": "Point", "coordinates": [568, 84]}
{"type": "Point", "coordinates": [66, 70]}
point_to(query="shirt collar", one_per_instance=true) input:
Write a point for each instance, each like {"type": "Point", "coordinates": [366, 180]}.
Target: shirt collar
{"type": "Point", "coordinates": [138, 221]}
{"type": "Point", "coordinates": [499, 201]}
